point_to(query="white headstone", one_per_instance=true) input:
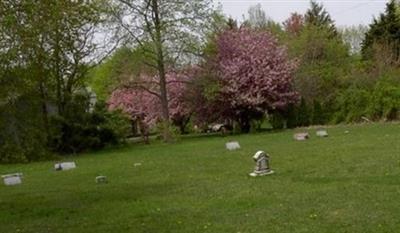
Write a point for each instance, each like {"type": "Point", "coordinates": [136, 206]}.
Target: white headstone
{"type": "Point", "coordinates": [12, 179]}
{"type": "Point", "coordinates": [301, 136]}
{"type": "Point", "coordinates": [64, 166]}
{"type": "Point", "coordinates": [322, 133]}
{"type": "Point", "coordinates": [232, 145]}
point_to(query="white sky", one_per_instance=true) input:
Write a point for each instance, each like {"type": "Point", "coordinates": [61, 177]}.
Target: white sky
{"type": "Point", "coordinates": [344, 12]}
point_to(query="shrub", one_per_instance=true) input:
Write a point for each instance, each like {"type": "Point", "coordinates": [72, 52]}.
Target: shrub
{"type": "Point", "coordinates": [292, 116]}
{"type": "Point", "coordinates": [21, 131]}
{"type": "Point", "coordinates": [351, 105]}
{"type": "Point", "coordinates": [385, 101]}
{"type": "Point", "coordinates": [81, 130]}
{"type": "Point", "coordinates": [304, 114]}
{"type": "Point", "coordinates": [318, 116]}
{"type": "Point", "coordinates": [173, 131]}
{"type": "Point", "coordinates": [277, 120]}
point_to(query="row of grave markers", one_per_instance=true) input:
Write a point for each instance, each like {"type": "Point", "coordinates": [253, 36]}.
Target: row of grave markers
{"type": "Point", "coordinates": [304, 136]}
{"type": "Point", "coordinates": [261, 158]}
{"type": "Point", "coordinates": [16, 178]}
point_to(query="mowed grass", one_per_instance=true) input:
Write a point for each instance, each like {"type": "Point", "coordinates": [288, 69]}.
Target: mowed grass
{"type": "Point", "coordinates": [343, 183]}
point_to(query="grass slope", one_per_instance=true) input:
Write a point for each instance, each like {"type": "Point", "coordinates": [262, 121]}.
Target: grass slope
{"type": "Point", "coordinates": [343, 183]}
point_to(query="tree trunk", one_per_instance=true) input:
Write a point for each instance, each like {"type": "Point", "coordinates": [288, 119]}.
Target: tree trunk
{"type": "Point", "coordinates": [161, 72]}
{"type": "Point", "coordinates": [244, 124]}
{"type": "Point", "coordinates": [45, 115]}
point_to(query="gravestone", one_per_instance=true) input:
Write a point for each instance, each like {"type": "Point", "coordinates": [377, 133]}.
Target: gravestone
{"type": "Point", "coordinates": [301, 136]}
{"type": "Point", "coordinates": [232, 145]}
{"type": "Point", "coordinates": [12, 179]}
{"type": "Point", "coordinates": [101, 180]}
{"type": "Point", "coordinates": [322, 133]}
{"type": "Point", "coordinates": [64, 166]}
{"type": "Point", "coordinates": [262, 167]}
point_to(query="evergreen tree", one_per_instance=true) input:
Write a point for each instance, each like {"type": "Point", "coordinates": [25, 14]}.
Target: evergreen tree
{"type": "Point", "coordinates": [317, 16]}
{"type": "Point", "coordinates": [384, 32]}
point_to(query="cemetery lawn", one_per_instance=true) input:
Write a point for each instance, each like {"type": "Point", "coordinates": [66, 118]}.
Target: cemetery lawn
{"type": "Point", "coordinates": [343, 183]}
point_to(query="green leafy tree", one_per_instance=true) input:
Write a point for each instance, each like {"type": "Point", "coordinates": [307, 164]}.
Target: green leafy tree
{"type": "Point", "coordinates": [323, 61]}
{"type": "Point", "coordinates": [46, 51]}
{"type": "Point", "coordinates": [125, 65]}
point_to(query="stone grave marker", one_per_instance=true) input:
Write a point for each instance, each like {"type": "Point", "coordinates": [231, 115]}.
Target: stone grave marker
{"type": "Point", "coordinates": [322, 133]}
{"type": "Point", "coordinates": [64, 166]}
{"type": "Point", "coordinates": [12, 179]}
{"type": "Point", "coordinates": [301, 136]}
{"type": "Point", "coordinates": [262, 167]}
{"type": "Point", "coordinates": [232, 145]}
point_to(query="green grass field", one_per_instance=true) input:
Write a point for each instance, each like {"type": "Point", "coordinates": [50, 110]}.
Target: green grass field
{"type": "Point", "coordinates": [343, 183]}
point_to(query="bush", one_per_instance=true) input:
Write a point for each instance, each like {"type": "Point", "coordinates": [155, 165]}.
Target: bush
{"type": "Point", "coordinates": [380, 102]}
{"type": "Point", "coordinates": [173, 131]}
{"type": "Point", "coordinates": [277, 120]}
{"type": "Point", "coordinates": [303, 114]}
{"type": "Point", "coordinates": [318, 116]}
{"type": "Point", "coordinates": [385, 101]}
{"type": "Point", "coordinates": [351, 105]}
{"type": "Point", "coordinates": [81, 130]}
{"type": "Point", "coordinates": [292, 117]}
{"type": "Point", "coordinates": [21, 131]}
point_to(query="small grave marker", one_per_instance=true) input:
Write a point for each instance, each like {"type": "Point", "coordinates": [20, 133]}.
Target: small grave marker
{"type": "Point", "coordinates": [301, 136]}
{"type": "Point", "coordinates": [322, 133]}
{"type": "Point", "coordinates": [12, 179]}
{"type": "Point", "coordinates": [232, 145]}
{"type": "Point", "coordinates": [64, 166]}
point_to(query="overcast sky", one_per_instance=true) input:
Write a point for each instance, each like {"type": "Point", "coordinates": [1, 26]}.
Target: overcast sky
{"type": "Point", "coordinates": [344, 12]}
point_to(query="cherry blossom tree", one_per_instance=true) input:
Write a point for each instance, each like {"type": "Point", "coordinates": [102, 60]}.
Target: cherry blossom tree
{"type": "Point", "coordinates": [140, 100]}
{"type": "Point", "coordinates": [252, 75]}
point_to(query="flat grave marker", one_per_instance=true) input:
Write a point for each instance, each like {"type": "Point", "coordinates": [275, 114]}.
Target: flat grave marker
{"type": "Point", "coordinates": [301, 136]}
{"type": "Point", "coordinates": [12, 179]}
{"type": "Point", "coordinates": [232, 145]}
{"type": "Point", "coordinates": [64, 166]}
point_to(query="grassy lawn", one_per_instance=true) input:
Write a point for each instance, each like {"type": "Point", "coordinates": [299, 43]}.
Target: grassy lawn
{"type": "Point", "coordinates": [343, 183]}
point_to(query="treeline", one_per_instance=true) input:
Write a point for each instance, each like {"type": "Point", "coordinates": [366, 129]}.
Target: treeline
{"type": "Point", "coordinates": [171, 66]}
{"type": "Point", "coordinates": [348, 75]}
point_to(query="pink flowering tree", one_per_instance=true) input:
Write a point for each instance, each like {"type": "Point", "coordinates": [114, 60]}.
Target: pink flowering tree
{"type": "Point", "coordinates": [141, 100]}
{"type": "Point", "coordinates": [252, 75]}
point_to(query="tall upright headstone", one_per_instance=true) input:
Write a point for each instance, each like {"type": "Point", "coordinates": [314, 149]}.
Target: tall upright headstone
{"type": "Point", "coordinates": [262, 167]}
